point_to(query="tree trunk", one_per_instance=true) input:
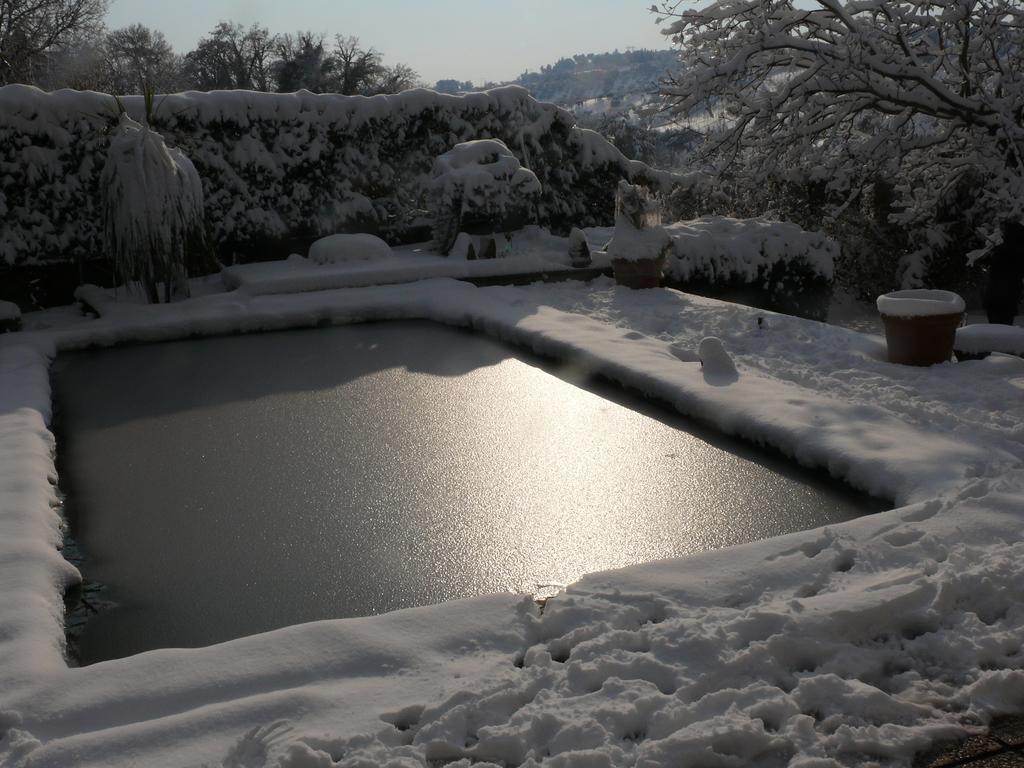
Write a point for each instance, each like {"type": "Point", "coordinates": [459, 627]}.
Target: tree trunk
{"type": "Point", "coordinates": [1005, 283]}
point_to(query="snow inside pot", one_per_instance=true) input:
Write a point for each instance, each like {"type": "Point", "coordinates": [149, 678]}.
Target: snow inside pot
{"type": "Point", "coordinates": [920, 325]}
{"type": "Point", "coordinates": [480, 187]}
{"type": "Point", "coordinates": [640, 244]}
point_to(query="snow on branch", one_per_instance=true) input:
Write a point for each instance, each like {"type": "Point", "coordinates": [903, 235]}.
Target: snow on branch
{"type": "Point", "coordinates": [930, 94]}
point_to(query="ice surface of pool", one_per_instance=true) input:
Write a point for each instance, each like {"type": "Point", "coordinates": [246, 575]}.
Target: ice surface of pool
{"type": "Point", "coordinates": [228, 486]}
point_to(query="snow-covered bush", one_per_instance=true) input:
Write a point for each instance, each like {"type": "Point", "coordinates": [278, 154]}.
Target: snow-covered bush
{"type": "Point", "coordinates": [10, 316]}
{"type": "Point", "coordinates": [722, 251]}
{"type": "Point", "coordinates": [579, 250]}
{"type": "Point", "coordinates": [281, 170]}
{"type": "Point", "coordinates": [337, 249]}
{"type": "Point", "coordinates": [480, 185]}
{"type": "Point", "coordinates": [152, 208]}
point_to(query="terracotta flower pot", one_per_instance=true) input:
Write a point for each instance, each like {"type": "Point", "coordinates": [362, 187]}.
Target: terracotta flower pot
{"type": "Point", "coordinates": [920, 325]}
{"type": "Point", "coordinates": [638, 273]}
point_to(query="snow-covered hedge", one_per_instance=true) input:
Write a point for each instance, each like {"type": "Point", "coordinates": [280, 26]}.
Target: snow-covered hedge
{"type": "Point", "coordinates": [288, 167]}
{"type": "Point", "coordinates": [722, 250]}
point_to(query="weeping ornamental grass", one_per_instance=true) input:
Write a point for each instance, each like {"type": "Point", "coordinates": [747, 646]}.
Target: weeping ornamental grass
{"type": "Point", "coordinates": [153, 209]}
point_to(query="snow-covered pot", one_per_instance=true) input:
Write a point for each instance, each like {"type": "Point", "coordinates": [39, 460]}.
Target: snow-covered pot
{"type": "Point", "coordinates": [640, 244]}
{"type": "Point", "coordinates": [639, 273]}
{"type": "Point", "coordinates": [920, 325]}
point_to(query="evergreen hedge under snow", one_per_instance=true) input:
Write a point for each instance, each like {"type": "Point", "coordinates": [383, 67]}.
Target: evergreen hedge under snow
{"type": "Point", "coordinates": [287, 167]}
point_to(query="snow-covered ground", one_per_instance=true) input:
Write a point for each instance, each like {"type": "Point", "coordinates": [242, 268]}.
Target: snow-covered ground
{"type": "Point", "coordinates": [526, 251]}
{"type": "Point", "coordinates": [859, 644]}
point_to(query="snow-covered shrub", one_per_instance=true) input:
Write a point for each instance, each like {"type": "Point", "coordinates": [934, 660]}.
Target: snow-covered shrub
{"type": "Point", "coordinates": [152, 208]}
{"type": "Point", "coordinates": [723, 251]}
{"type": "Point", "coordinates": [480, 185]}
{"type": "Point", "coordinates": [337, 249]}
{"type": "Point", "coordinates": [579, 250]}
{"type": "Point", "coordinates": [639, 235]}
{"type": "Point", "coordinates": [10, 316]}
{"type": "Point", "coordinates": [281, 170]}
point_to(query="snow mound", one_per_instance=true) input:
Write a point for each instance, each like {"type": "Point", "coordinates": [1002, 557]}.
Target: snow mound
{"type": "Point", "coordinates": [985, 337]}
{"type": "Point", "coordinates": [340, 249]}
{"type": "Point", "coordinates": [9, 312]}
{"type": "Point", "coordinates": [920, 302]}
{"type": "Point", "coordinates": [719, 249]}
{"type": "Point", "coordinates": [718, 367]}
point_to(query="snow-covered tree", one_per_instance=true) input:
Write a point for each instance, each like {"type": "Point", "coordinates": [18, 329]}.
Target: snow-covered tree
{"type": "Point", "coordinates": [31, 29]}
{"type": "Point", "coordinates": [480, 186]}
{"type": "Point", "coordinates": [153, 208]}
{"type": "Point", "coordinates": [137, 58]}
{"type": "Point", "coordinates": [925, 95]}
{"type": "Point", "coordinates": [231, 56]}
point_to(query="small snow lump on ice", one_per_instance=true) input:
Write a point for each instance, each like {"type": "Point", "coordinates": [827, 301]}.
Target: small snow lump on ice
{"type": "Point", "coordinates": [715, 361]}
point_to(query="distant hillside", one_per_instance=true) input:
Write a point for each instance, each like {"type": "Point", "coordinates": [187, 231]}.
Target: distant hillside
{"type": "Point", "coordinates": [604, 80]}
{"type": "Point", "coordinates": [616, 95]}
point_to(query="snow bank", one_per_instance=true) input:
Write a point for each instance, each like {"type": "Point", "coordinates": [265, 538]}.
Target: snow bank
{"type": "Point", "coordinates": [297, 166]}
{"type": "Point", "coordinates": [719, 249]}
{"type": "Point", "coordinates": [341, 249]}
{"type": "Point", "coordinates": [859, 644]}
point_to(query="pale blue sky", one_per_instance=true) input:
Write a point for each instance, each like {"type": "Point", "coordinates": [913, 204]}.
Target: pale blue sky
{"type": "Point", "coordinates": [470, 40]}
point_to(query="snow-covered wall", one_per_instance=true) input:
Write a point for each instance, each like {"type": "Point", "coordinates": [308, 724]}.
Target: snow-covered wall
{"type": "Point", "coordinates": [287, 168]}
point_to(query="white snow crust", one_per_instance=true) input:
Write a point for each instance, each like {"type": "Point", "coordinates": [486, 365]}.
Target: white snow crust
{"type": "Point", "coordinates": [920, 302]}
{"type": "Point", "coordinates": [859, 644]}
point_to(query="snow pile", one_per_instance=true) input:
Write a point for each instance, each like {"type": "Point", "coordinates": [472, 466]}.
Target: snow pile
{"type": "Point", "coordinates": [718, 249]}
{"type": "Point", "coordinates": [718, 367]}
{"type": "Point", "coordinates": [920, 302]}
{"type": "Point", "coordinates": [985, 337]}
{"type": "Point", "coordinates": [859, 644]}
{"type": "Point", "coordinates": [153, 209]}
{"type": "Point", "coordinates": [341, 249]}
{"type": "Point", "coordinates": [278, 167]}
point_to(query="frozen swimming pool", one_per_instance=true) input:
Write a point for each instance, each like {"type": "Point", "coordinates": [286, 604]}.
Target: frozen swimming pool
{"type": "Point", "coordinates": [232, 485]}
